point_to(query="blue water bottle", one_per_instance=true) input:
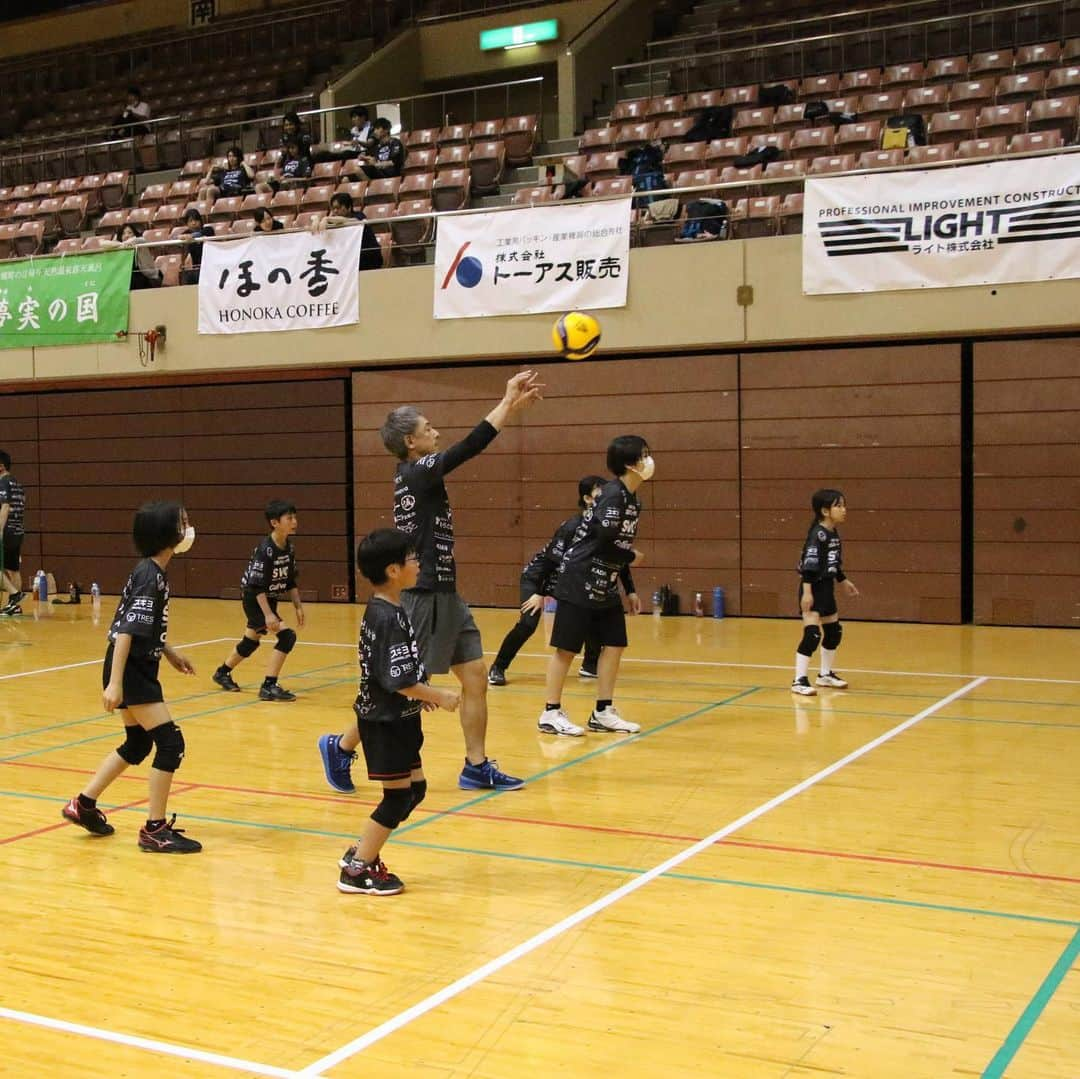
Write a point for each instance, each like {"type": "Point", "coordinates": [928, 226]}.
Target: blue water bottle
{"type": "Point", "coordinates": [718, 602]}
{"type": "Point", "coordinates": [42, 584]}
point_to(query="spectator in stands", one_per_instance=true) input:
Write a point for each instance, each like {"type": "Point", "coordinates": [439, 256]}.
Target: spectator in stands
{"type": "Point", "coordinates": [144, 273]}
{"type": "Point", "coordinates": [195, 230]}
{"type": "Point", "coordinates": [266, 222]}
{"type": "Point", "coordinates": [294, 166]}
{"type": "Point", "coordinates": [291, 131]}
{"type": "Point", "coordinates": [361, 131]}
{"type": "Point", "coordinates": [343, 212]}
{"type": "Point", "coordinates": [388, 156]}
{"type": "Point", "coordinates": [237, 178]}
{"type": "Point", "coordinates": [132, 121]}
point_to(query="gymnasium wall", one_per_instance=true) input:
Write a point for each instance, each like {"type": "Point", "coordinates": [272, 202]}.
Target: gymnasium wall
{"type": "Point", "coordinates": [89, 458]}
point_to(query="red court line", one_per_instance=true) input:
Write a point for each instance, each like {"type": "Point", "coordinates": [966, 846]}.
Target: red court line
{"type": "Point", "coordinates": [350, 800]}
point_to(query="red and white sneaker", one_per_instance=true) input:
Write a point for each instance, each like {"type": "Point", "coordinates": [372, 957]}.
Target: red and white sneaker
{"type": "Point", "coordinates": [368, 878]}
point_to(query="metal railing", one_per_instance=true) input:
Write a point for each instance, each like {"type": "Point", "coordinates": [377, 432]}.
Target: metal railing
{"type": "Point", "coordinates": [896, 43]}
{"type": "Point", "coordinates": [461, 9]}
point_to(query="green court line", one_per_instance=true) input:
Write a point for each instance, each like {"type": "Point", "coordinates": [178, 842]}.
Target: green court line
{"type": "Point", "coordinates": [1030, 1015]}
{"type": "Point", "coordinates": [628, 870]}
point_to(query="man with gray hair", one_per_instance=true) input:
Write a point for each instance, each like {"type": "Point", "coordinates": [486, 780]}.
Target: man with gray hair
{"type": "Point", "coordinates": [448, 638]}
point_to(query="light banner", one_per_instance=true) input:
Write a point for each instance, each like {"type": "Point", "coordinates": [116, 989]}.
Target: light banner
{"type": "Point", "coordinates": [988, 224]}
{"type": "Point", "coordinates": [293, 281]}
{"type": "Point", "coordinates": [561, 257]}
{"type": "Point", "coordinates": [64, 300]}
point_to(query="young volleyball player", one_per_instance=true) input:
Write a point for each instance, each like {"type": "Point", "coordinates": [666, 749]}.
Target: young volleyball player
{"type": "Point", "coordinates": [130, 681]}
{"type": "Point", "coordinates": [820, 567]}
{"type": "Point", "coordinates": [393, 693]}
{"type": "Point", "coordinates": [270, 575]}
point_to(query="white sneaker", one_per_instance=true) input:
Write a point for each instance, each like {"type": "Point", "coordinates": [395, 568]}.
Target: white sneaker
{"type": "Point", "coordinates": [610, 720]}
{"type": "Point", "coordinates": [556, 721]}
{"type": "Point", "coordinates": [802, 685]}
{"type": "Point", "coordinates": [830, 678]}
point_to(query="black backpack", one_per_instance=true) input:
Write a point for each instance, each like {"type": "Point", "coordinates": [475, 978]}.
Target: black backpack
{"type": "Point", "coordinates": [759, 155]}
{"type": "Point", "coordinates": [772, 96]}
{"type": "Point", "coordinates": [713, 123]}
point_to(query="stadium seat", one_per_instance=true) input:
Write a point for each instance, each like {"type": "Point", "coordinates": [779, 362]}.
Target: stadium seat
{"type": "Point", "coordinates": [981, 147]}
{"type": "Point", "coordinates": [1034, 141]}
{"type": "Point", "coordinates": [1007, 120]}
{"type": "Point", "coordinates": [487, 160]}
{"type": "Point", "coordinates": [411, 237]}
{"type": "Point", "coordinates": [1025, 87]}
{"type": "Point", "coordinates": [519, 138]}
{"type": "Point", "coordinates": [450, 190]}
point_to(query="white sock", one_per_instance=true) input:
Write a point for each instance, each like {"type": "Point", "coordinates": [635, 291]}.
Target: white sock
{"type": "Point", "coordinates": [827, 657]}
{"type": "Point", "coordinates": [802, 665]}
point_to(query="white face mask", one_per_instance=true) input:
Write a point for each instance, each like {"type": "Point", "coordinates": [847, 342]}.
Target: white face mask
{"type": "Point", "coordinates": [188, 540]}
{"type": "Point", "coordinates": [648, 467]}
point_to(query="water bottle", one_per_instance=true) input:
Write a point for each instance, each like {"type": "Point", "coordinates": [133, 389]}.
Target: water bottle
{"type": "Point", "coordinates": [718, 602]}
{"type": "Point", "coordinates": [41, 586]}
{"type": "Point", "coordinates": [699, 606]}
{"type": "Point", "coordinates": [95, 594]}
{"type": "Point", "coordinates": [657, 603]}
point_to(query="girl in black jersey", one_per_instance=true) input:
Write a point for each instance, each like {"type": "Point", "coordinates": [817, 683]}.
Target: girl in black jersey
{"type": "Point", "coordinates": [130, 681]}
{"type": "Point", "coordinates": [820, 567]}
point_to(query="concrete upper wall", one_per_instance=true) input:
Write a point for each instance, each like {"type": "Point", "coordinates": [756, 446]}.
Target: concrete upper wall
{"type": "Point", "coordinates": [679, 298]}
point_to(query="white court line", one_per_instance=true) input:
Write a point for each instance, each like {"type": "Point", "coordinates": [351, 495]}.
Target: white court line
{"type": "Point", "coordinates": [449, 992]}
{"type": "Point", "coordinates": [771, 666]}
{"type": "Point", "coordinates": [153, 1045]}
{"type": "Point", "coordinates": [91, 662]}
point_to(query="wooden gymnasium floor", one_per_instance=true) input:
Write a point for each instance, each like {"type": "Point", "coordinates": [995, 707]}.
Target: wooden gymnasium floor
{"type": "Point", "coordinates": [879, 883]}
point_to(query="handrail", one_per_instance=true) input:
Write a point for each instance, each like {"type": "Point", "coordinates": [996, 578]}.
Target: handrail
{"type": "Point", "coordinates": [839, 38]}
{"type": "Point", "coordinates": [590, 24]}
{"type": "Point", "coordinates": [477, 7]}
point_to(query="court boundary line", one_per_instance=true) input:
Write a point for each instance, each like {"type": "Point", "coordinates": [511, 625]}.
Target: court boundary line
{"type": "Point", "coordinates": [479, 974]}
{"type": "Point", "coordinates": [91, 662]}
{"type": "Point", "coordinates": [136, 1041]}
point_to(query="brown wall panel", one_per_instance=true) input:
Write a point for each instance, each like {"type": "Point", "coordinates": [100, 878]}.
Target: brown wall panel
{"type": "Point", "coordinates": [883, 425]}
{"type": "Point", "coordinates": [1027, 482]}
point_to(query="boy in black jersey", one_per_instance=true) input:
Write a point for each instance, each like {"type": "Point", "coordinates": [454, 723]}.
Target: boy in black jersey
{"type": "Point", "coordinates": [393, 693]}
{"type": "Point", "coordinates": [820, 566]}
{"type": "Point", "coordinates": [587, 590]}
{"type": "Point", "coordinates": [130, 683]}
{"type": "Point", "coordinates": [270, 575]}
{"type": "Point", "coordinates": [12, 508]}
{"type": "Point", "coordinates": [538, 580]}
{"type": "Point", "coordinates": [448, 637]}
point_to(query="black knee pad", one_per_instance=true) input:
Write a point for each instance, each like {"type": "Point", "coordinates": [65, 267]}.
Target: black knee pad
{"type": "Point", "coordinates": [394, 807]}
{"type": "Point", "coordinates": [247, 647]}
{"type": "Point", "coordinates": [286, 641]}
{"type": "Point", "coordinates": [417, 792]}
{"type": "Point", "coordinates": [831, 638]}
{"type": "Point", "coordinates": [137, 745]}
{"type": "Point", "coordinates": [169, 740]}
{"type": "Point", "coordinates": [811, 638]}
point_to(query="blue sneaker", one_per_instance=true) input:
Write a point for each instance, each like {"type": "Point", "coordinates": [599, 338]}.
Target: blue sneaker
{"type": "Point", "coordinates": [336, 763]}
{"type": "Point", "coordinates": [487, 777]}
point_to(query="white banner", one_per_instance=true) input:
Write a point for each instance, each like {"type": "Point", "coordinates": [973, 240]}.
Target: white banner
{"type": "Point", "coordinates": [292, 281]}
{"type": "Point", "coordinates": [987, 224]}
{"type": "Point", "coordinates": [562, 257]}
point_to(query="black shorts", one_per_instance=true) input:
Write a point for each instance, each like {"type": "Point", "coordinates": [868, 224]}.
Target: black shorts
{"type": "Point", "coordinates": [256, 620]}
{"type": "Point", "coordinates": [141, 685]}
{"type": "Point", "coordinates": [12, 552]}
{"type": "Point", "coordinates": [824, 597]}
{"type": "Point", "coordinates": [392, 748]}
{"type": "Point", "coordinates": [574, 625]}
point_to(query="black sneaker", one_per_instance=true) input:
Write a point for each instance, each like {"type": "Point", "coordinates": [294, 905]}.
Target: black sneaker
{"type": "Point", "coordinates": [223, 677]}
{"type": "Point", "coordinates": [275, 693]}
{"type": "Point", "coordinates": [496, 677]}
{"type": "Point", "coordinates": [93, 820]}
{"type": "Point", "coordinates": [369, 878]}
{"type": "Point", "coordinates": [586, 672]}
{"type": "Point", "coordinates": [167, 840]}
{"type": "Point", "coordinates": [11, 610]}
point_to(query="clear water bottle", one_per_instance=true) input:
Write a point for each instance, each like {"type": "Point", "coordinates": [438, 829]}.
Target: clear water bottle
{"type": "Point", "coordinates": [657, 603]}
{"type": "Point", "coordinates": [95, 594]}
{"type": "Point", "coordinates": [699, 606]}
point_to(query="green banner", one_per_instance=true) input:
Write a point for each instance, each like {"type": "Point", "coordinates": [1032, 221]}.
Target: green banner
{"type": "Point", "coordinates": [66, 300]}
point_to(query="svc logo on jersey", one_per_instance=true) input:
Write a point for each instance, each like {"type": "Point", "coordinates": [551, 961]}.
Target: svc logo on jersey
{"type": "Point", "coordinates": [408, 503]}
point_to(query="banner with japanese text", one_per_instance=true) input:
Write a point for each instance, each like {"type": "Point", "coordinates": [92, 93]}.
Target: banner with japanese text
{"type": "Point", "coordinates": [988, 224]}
{"type": "Point", "coordinates": [66, 300]}
{"type": "Point", "coordinates": [561, 257]}
{"type": "Point", "coordinates": [289, 281]}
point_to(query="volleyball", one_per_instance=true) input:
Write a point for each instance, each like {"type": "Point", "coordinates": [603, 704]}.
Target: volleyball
{"type": "Point", "coordinates": [576, 335]}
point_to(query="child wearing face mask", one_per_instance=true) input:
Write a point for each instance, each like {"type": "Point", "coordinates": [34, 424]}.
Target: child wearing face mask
{"type": "Point", "coordinates": [130, 683]}
{"type": "Point", "coordinates": [589, 605]}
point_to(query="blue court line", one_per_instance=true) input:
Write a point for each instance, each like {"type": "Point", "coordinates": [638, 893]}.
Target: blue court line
{"type": "Point", "coordinates": [1030, 1015]}
{"type": "Point", "coordinates": [629, 870]}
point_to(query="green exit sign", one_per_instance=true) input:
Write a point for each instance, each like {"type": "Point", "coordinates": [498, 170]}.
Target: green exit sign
{"type": "Point", "coordinates": [514, 37]}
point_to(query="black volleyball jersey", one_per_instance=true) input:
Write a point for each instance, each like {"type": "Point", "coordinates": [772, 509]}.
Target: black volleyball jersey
{"type": "Point", "coordinates": [602, 545]}
{"type": "Point", "coordinates": [422, 507]}
{"type": "Point", "coordinates": [821, 556]}
{"type": "Point", "coordinates": [389, 661]}
{"type": "Point", "coordinates": [235, 181]}
{"type": "Point", "coordinates": [143, 613]}
{"type": "Point", "coordinates": [272, 569]}
{"type": "Point", "coordinates": [12, 494]}
{"type": "Point", "coordinates": [542, 572]}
